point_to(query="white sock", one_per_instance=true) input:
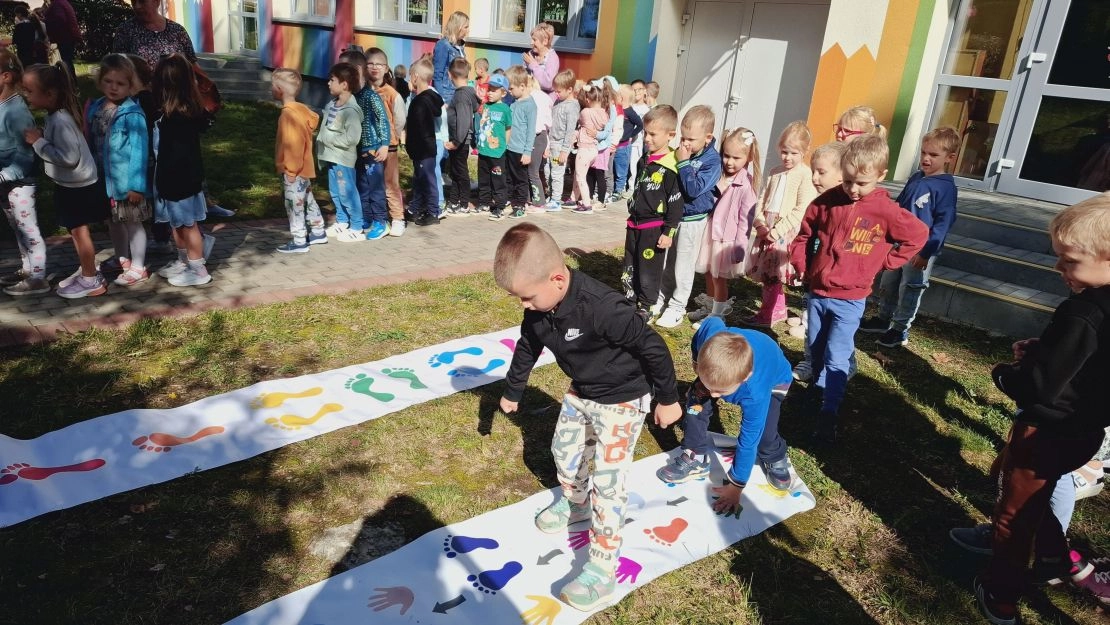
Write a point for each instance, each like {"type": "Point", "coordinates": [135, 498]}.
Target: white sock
{"type": "Point", "coordinates": [136, 235]}
{"type": "Point", "coordinates": [719, 308]}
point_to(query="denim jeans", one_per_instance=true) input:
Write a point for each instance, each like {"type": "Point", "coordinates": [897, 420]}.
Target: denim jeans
{"type": "Point", "coordinates": [900, 294]}
{"type": "Point", "coordinates": [344, 194]}
{"type": "Point", "coordinates": [831, 337]}
{"type": "Point", "coordinates": [425, 195]}
{"type": "Point", "coordinates": [620, 168]}
{"type": "Point", "coordinates": [441, 158]}
{"type": "Point", "coordinates": [700, 408]}
{"type": "Point", "coordinates": [371, 190]}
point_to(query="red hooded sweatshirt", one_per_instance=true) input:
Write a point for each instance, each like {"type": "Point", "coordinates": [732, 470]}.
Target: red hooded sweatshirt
{"type": "Point", "coordinates": [857, 239]}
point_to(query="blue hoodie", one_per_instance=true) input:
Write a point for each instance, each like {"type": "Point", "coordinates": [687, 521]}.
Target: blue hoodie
{"type": "Point", "coordinates": [770, 369]}
{"type": "Point", "coordinates": [126, 151]}
{"type": "Point", "coordinates": [932, 199]}
{"type": "Point", "coordinates": [17, 158]}
{"type": "Point", "coordinates": [697, 177]}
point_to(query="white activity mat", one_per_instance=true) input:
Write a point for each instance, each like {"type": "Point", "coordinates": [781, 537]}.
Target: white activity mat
{"type": "Point", "coordinates": [498, 569]}
{"type": "Point", "coordinates": [134, 448]}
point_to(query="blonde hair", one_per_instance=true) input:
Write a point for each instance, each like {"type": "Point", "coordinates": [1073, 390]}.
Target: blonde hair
{"type": "Point", "coordinates": [422, 70]}
{"type": "Point", "coordinates": [527, 252]}
{"type": "Point", "coordinates": [944, 137]}
{"type": "Point", "coordinates": [862, 118]}
{"type": "Point", "coordinates": [1085, 226]}
{"type": "Point", "coordinates": [545, 29]}
{"type": "Point", "coordinates": [652, 90]}
{"type": "Point", "coordinates": [565, 79]}
{"type": "Point", "coordinates": [116, 62]}
{"type": "Point", "coordinates": [454, 24]}
{"type": "Point", "coordinates": [626, 95]}
{"type": "Point", "coordinates": [796, 134]}
{"type": "Point", "coordinates": [700, 118]}
{"type": "Point", "coordinates": [833, 150]}
{"type": "Point", "coordinates": [286, 77]}
{"type": "Point", "coordinates": [724, 361]}
{"type": "Point", "coordinates": [750, 145]}
{"type": "Point", "coordinates": [869, 153]}
{"type": "Point", "coordinates": [481, 62]}
{"type": "Point", "coordinates": [518, 75]}
{"type": "Point", "coordinates": [662, 114]}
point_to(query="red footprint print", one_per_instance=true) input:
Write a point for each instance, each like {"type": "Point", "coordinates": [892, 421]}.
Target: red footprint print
{"type": "Point", "coordinates": [160, 441]}
{"type": "Point", "coordinates": [13, 472]}
{"type": "Point", "coordinates": [667, 534]}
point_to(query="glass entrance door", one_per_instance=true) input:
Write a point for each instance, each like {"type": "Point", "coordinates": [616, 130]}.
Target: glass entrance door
{"type": "Point", "coordinates": [1060, 146]}
{"type": "Point", "coordinates": [243, 23]}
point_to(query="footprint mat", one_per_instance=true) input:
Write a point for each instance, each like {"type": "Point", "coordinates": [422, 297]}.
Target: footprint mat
{"type": "Point", "coordinates": [497, 568]}
{"type": "Point", "coordinates": [134, 448]}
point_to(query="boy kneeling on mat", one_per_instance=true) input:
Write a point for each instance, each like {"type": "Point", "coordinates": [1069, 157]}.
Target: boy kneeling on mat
{"type": "Point", "coordinates": [746, 368]}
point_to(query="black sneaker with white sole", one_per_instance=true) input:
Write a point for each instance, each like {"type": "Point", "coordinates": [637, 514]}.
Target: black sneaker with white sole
{"type": "Point", "coordinates": [874, 325]}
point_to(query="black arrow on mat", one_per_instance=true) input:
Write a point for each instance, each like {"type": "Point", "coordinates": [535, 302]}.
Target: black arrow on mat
{"type": "Point", "coordinates": [675, 502]}
{"type": "Point", "coordinates": [442, 608]}
{"type": "Point", "coordinates": [549, 556]}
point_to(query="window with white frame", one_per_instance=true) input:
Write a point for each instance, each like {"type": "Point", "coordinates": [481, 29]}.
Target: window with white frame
{"type": "Point", "coordinates": [310, 11]}
{"type": "Point", "coordinates": [418, 16]}
{"type": "Point", "coordinates": [574, 21]}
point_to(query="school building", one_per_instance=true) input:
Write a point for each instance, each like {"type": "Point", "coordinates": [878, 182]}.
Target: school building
{"type": "Point", "coordinates": [1025, 82]}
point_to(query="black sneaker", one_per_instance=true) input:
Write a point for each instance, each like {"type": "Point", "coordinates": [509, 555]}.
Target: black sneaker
{"type": "Point", "coordinates": [874, 325]}
{"type": "Point", "coordinates": [427, 219]}
{"type": "Point", "coordinates": [975, 539]}
{"type": "Point", "coordinates": [518, 212]}
{"type": "Point", "coordinates": [778, 474]}
{"type": "Point", "coordinates": [996, 612]}
{"type": "Point", "coordinates": [893, 338]}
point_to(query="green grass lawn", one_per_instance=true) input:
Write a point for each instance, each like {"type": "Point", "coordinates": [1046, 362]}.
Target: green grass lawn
{"type": "Point", "coordinates": [920, 429]}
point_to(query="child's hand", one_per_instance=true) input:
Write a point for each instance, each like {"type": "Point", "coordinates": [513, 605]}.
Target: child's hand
{"type": "Point", "coordinates": [32, 135]}
{"type": "Point", "coordinates": [682, 153]}
{"type": "Point", "coordinates": [564, 156]}
{"type": "Point", "coordinates": [666, 414]}
{"type": "Point", "coordinates": [382, 154]}
{"type": "Point", "coordinates": [450, 145]}
{"type": "Point", "coordinates": [728, 499]}
{"type": "Point", "coordinates": [134, 197]}
{"type": "Point", "coordinates": [547, 154]}
{"type": "Point", "coordinates": [664, 242]}
{"type": "Point", "coordinates": [1022, 347]}
{"type": "Point", "coordinates": [509, 407]}
{"type": "Point", "coordinates": [919, 262]}
{"type": "Point", "coordinates": [525, 159]}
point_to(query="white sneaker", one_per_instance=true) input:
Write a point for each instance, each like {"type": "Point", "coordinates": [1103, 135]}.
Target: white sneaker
{"type": "Point", "coordinates": [209, 243]}
{"type": "Point", "coordinates": [670, 318]}
{"type": "Point", "coordinates": [191, 276]}
{"type": "Point", "coordinates": [803, 371]}
{"type": "Point", "coordinates": [397, 228]}
{"type": "Point", "coordinates": [68, 281]}
{"type": "Point", "coordinates": [172, 269]}
{"type": "Point", "coordinates": [334, 229]}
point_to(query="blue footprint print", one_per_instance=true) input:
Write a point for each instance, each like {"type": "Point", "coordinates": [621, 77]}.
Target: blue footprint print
{"type": "Point", "coordinates": [467, 372]}
{"type": "Point", "coordinates": [454, 545]}
{"type": "Point", "coordinates": [446, 358]}
{"type": "Point", "coordinates": [490, 582]}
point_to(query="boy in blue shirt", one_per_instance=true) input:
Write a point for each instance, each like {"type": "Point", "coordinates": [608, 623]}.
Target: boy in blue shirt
{"type": "Point", "coordinates": [746, 368]}
{"type": "Point", "coordinates": [930, 194]}
{"type": "Point", "coordinates": [522, 138]}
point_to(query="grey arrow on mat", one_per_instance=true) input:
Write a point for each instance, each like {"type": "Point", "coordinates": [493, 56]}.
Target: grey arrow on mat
{"type": "Point", "coordinates": [442, 608]}
{"type": "Point", "coordinates": [675, 502]}
{"type": "Point", "coordinates": [549, 556]}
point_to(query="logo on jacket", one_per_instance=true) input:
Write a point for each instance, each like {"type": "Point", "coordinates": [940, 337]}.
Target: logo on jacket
{"type": "Point", "coordinates": [572, 334]}
{"type": "Point", "coordinates": [863, 237]}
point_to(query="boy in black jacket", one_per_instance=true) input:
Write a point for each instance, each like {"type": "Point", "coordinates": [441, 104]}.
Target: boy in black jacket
{"type": "Point", "coordinates": [420, 143]}
{"type": "Point", "coordinates": [1059, 384]}
{"type": "Point", "coordinates": [655, 209]}
{"type": "Point", "coordinates": [460, 124]}
{"type": "Point", "coordinates": [615, 363]}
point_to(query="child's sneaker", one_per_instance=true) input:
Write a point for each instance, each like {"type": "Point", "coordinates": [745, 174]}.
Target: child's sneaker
{"type": "Point", "coordinates": [334, 229]}
{"type": "Point", "coordinates": [293, 247]}
{"type": "Point", "coordinates": [583, 209]}
{"type": "Point", "coordinates": [553, 206]}
{"type": "Point", "coordinates": [591, 588]}
{"type": "Point", "coordinates": [778, 474]}
{"type": "Point", "coordinates": [168, 271]}
{"type": "Point", "coordinates": [319, 239]}
{"type": "Point", "coordinates": [496, 215]}
{"type": "Point", "coordinates": [115, 264]}
{"type": "Point", "coordinates": [132, 276]}
{"type": "Point", "coordinates": [1054, 574]}
{"type": "Point", "coordinates": [874, 325]}
{"type": "Point", "coordinates": [893, 338]}
{"type": "Point", "coordinates": [995, 611]}
{"type": "Point", "coordinates": [378, 230]}
{"type": "Point", "coordinates": [1088, 481]}
{"type": "Point", "coordinates": [195, 274]}
{"type": "Point", "coordinates": [397, 228]}
{"type": "Point", "coordinates": [534, 209]}
{"type": "Point", "coordinates": [19, 275]}
{"type": "Point", "coordinates": [569, 204]}
{"type": "Point", "coordinates": [556, 517]}
{"type": "Point", "coordinates": [427, 219]}
{"type": "Point", "coordinates": [28, 286]}
{"type": "Point", "coordinates": [975, 539]}
{"type": "Point", "coordinates": [803, 371]}
{"type": "Point", "coordinates": [1097, 583]}
{"type": "Point", "coordinates": [518, 212]}
{"type": "Point", "coordinates": [670, 318]}
{"type": "Point", "coordinates": [683, 468]}
{"type": "Point", "coordinates": [350, 235]}
{"type": "Point", "coordinates": [84, 287]}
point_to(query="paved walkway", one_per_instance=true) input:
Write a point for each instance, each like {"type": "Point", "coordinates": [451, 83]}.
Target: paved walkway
{"type": "Point", "coordinates": [247, 271]}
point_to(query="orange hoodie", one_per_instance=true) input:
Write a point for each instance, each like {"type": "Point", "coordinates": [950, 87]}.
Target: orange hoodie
{"type": "Point", "coordinates": [293, 148]}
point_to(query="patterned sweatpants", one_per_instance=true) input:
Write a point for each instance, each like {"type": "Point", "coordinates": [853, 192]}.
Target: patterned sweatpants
{"type": "Point", "coordinates": [300, 206]}
{"type": "Point", "coordinates": [18, 203]}
{"type": "Point", "coordinates": [605, 434]}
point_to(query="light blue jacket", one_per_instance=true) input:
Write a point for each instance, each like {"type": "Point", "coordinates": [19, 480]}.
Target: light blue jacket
{"type": "Point", "coordinates": [126, 153]}
{"type": "Point", "coordinates": [17, 159]}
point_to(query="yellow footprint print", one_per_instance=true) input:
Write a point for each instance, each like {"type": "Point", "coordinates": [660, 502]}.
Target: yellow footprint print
{"type": "Point", "coordinates": [293, 422]}
{"type": "Point", "coordinates": [273, 400]}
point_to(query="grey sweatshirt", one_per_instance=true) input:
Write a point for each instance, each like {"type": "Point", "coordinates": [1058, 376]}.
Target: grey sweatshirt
{"type": "Point", "coordinates": [63, 149]}
{"type": "Point", "coordinates": [564, 122]}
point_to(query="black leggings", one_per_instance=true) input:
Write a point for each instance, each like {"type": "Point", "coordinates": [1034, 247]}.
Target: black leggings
{"type": "Point", "coordinates": [595, 178]}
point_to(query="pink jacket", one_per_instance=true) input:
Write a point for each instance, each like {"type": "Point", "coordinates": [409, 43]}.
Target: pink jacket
{"type": "Point", "coordinates": [732, 215]}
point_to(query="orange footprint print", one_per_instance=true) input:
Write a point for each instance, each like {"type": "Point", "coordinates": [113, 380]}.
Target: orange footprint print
{"type": "Point", "coordinates": [160, 441]}
{"type": "Point", "coordinates": [667, 534]}
{"type": "Point", "coordinates": [294, 422]}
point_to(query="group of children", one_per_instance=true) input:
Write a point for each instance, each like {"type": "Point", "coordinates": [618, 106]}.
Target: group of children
{"type": "Point", "coordinates": [128, 156]}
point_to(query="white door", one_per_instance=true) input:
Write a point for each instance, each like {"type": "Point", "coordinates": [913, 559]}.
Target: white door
{"type": "Point", "coordinates": [710, 45]}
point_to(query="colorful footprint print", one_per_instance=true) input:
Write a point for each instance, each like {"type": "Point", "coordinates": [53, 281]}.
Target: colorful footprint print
{"type": "Point", "coordinates": [22, 470]}
{"type": "Point", "coordinates": [454, 545]}
{"type": "Point", "coordinates": [160, 441]}
{"type": "Point", "coordinates": [406, 374]}
{"type": "Point", "coordinates": [361, 384]}
{"type": "Point", "coordinates": [467, 372]}
{"type": "Point", "coordinates": [667, 535]}
{"type": "Point", "coordinates": [294, 422]}
{"type": "Point", "coordinates": [446, 358]}
{"type": "Point", "coordinates": [490, 582]}
{"type": "Point", "coordinates": [779, 494]}
{"type": "Point", "coordinates": [273, 400]}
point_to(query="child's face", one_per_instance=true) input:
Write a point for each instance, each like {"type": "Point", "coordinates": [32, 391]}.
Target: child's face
{"type": "Point", "coordinates": [1080, 270]}
{"type": "Point", "coordinates": [337, 87]}
{"type": "Point", "coordinates": [518, 91]}
{"type": "Point", "coordinates": [639, 91]}
{"type": "Point", "coordinates": [115, 86]}
{"type": "Point", "coordinates": [934, 159]}
{"type": "Point", "coordinates": [36, 96]}
{"type": "Point", "coordinates": [860, 184]}
{"type": "Point", "coordinates": [539, 295]}
{"type": "Point", "coordinates": [734, 157]}
{"type": "Point", "coordinates": [657, 137]}
{"type": "Point", "coordinates": [495, 94]}
{"type": "Point", "coordinates": [791, 155]}
{"type": "Point", "coordinates": [377, 67]}
{"type": "Point", "coordinates": [825, 174]}
{"type": "Point", "coordinates": [847, 131]}
{"type": "Point", "coordinates": [480, 72]}
{"type": "Point", "coordinates": [565, 94]}
{"type": "Point", "coordinates": [694, 137]}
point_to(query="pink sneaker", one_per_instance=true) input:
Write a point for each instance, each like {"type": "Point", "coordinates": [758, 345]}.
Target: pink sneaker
{"type": "Point", "coordinates": [1097, 583]}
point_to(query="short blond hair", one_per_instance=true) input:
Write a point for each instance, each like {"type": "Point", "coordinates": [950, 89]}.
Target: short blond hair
{"type": "Point", "coordinates": [862, 118]}
{"type": "Point", "coordinates": [545, 29]}
{"type": "Point", "coordinates": [700, 118]}
{"type": "Point", "coordinates": [285, 77]}
{"type": "Point", "coordinates": [724, 361]}
{"type": "Point", "coordinates": [833, 151]}
{"type": "Point", "coordinates": [869, 153]}
{"type": "Point", "coordinates": [652, 90]}
{"type": "Point", "coordinates": [796, 134]}
{"type": "Point", "coordinates": [1085, 226]}
{"type": "Point", "coordinates": [565, 79]}
{"type": "Point", "coordinates": [518, 75]}
{"type": "Point", "coordinates": [944, 137]}
{"type": "Point", "coordinates": [662, 114]}
{"type": "Point", "coordinates": [422, 70]}
{"type": "Point", "coordinates": [527, 252]}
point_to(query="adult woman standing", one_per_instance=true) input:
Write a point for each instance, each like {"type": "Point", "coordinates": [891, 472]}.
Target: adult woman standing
{"type": "Point", "coordinates": [449, 48]}
{"type": "Point", "coordinates": [542, 60]}
{"type": "Point", "coordinates": [152, 36]}
{"type": "Point", "coordinates": [62, 29]}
